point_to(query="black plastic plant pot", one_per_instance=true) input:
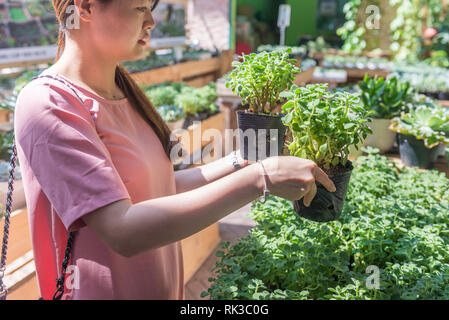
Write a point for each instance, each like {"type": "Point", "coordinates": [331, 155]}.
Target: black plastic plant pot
{"type": "Point", "coordinates": [415, 154]}
{"type": "Point", "coordinates": [260, 136]}
{"type": "Point", "coordinates": [326, 206]}
{"type": "Point", "coordinates": [443, 96]}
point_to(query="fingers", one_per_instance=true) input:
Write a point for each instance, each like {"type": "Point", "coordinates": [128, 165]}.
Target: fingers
{"type": "Point", "coordinates": [308, 197]}
{"type": "Point", "coordinates": [322, 178]}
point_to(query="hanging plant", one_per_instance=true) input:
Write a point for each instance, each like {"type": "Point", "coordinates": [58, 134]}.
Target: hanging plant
{"type": "Point", "coordinates": [351, 31]}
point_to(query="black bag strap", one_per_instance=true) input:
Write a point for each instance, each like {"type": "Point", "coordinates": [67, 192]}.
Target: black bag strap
{"type": "Point", "coordinates": [67, 254]}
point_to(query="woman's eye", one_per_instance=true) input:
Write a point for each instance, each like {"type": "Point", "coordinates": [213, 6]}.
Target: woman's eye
{"type": "Point", "coordinates": [142, 9]}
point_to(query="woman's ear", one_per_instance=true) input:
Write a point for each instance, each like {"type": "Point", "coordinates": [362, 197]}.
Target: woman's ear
{"type": "Point", "coordinates": [84, 9]}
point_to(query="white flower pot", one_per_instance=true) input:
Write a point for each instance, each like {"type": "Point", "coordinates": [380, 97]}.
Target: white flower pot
{"type": "Point", "coordinates": [382, 138]}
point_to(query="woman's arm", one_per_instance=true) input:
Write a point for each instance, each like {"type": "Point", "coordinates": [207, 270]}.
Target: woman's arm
{"type": "Point", "coordinates": [193, 178]}
{"type": "Point", "coordinates": [131, 229]}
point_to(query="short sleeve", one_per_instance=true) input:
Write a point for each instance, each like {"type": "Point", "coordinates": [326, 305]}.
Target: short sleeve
{"type": "Point", "coordinates": [57, 136]}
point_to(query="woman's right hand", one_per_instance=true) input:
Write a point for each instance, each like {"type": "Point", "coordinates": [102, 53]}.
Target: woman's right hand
{"type": "Point", "coordinates": [292, 178]}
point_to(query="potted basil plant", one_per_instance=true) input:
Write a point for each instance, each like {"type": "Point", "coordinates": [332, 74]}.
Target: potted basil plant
{"type": "Point", "coordinates": [387, 99]}
{"type": "Point", "coordinates": [423, 133]}
{"type": "Point", "coordinates": [324, 125]}
{"type": "Point", "coordinates": [259, 79]}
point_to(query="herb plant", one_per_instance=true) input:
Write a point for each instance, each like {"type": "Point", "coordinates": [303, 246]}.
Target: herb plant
{"type": "Point", "coordinates": [162, 96]}
{"type": "Point", "coordinates": [170, 113]}
{"type": "Point", "coordinates": [386, 98]}
{"type": "Point", "coordinates": [260, 78]}
{"type": "Point", "coordinates": [394, 219]}
{"type": "Point", "coordinates": [424, 123]}
{"type": "Point", "coordinates": [195, 100]}
{"type": "Point", "coordinates": [324, 124]}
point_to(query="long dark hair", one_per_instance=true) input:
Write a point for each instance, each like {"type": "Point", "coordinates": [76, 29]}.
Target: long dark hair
{"type": "Point", "coordinates": [125, 82]}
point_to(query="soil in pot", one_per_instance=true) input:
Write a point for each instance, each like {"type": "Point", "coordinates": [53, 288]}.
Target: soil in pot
{"type": "Point", "coordinates": [415, 154]}
{"type": "Point", "coordinates": [382, 137]}
{"type": "Point", "coordinates": [327, 206]}
{"type": "Point", "coordinates": [259, 140]}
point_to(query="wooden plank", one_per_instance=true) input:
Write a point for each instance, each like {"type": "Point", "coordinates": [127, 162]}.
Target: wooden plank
{"type": "Point", "coordinates": [304, 77]}
{"type": "Point", "coordinates": [27, 290]}
{"type": "Point", "coordinates": [201, 81]}
{"type": "Point", "coordinates": [5, 115]}
{"type": "Point", "coordinates": [444, 103]}
{"type": "Point", "coordinates": [360, 73]}
{"type": "Point", "coordinates": [197, 248]}
{"type": "Point", "coordinates": [155, 76]}
{"type": "Point", "coordinates": [196, 68]}
{"type": "Point", "coordinates": [19, 235]}
{"type": "Point", "coordinates": [214, 122]}
{"type": "Point", "coordinates": [178, 72]}
{"type": "Point", "coordinates": [18, 195]}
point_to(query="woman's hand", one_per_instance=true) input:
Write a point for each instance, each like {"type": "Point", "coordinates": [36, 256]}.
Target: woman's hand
{"type": "Point", "coordinates": [292, 178]}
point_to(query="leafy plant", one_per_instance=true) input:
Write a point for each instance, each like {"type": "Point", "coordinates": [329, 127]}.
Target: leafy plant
{"type": "Point", "coordinates": [260, 78]}
{"type": "Point", "coordinates": [170, 113]}
{"type": "Point", "coordinates": [296, 51]}
{"type": "Point", "coordinates": [422, 77]}
{"type": "Point", "coordinates": [386, 98]}
{"type": "Point", "coordinates": [162, 96]}
{"type": "Point", "coordinates": [195, 100]}
{"type": "Point", "coordinates": [318, 46]}
{"type": "Point", "coordinates": [324, 124]}
{"type": "Point", "coordinates": [438, 59]}
{"type": "Point", "coordinates": [424, 123]}
{"type": "Point", "coordinates": [394, 218]}
{"type": "Point", "coordinates": [352, 31]}
{"type": "Point", "coordinates": [6, 142]}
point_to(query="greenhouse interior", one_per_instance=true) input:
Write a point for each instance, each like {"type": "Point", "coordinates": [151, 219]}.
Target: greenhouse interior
{"type": "Point", "coordinates": [354, 95]}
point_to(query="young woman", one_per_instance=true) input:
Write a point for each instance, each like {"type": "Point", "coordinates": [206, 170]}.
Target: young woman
{"type": "Point", "coordinates": [95, 159]}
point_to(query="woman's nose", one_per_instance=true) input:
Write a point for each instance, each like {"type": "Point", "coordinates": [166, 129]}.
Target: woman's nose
{"type": "Point", "coordinates": [149, 23]}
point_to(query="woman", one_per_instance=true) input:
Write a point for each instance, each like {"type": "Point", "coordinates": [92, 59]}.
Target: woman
{"type": "Point", "coordinates": [95, 159]}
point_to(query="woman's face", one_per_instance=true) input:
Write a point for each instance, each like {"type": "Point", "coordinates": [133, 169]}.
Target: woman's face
{"type": "Point", "coordinates": [120, 29]}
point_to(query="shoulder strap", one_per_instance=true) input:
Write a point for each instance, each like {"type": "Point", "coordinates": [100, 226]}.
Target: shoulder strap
{"type": "Point", "coordinates": [60, 281]}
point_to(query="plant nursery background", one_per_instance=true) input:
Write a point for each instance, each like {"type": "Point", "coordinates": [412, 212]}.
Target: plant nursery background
{"type": "Point", "coordinates": [361, 87]}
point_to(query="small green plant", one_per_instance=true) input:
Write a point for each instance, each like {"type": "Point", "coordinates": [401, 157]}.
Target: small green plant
{"type": "Point", "coordinates": [318, 46]}
{"type": "Point", "coordinates": [170, 113]}
{"type": "Point", "coordinates": [386, 98]}
{"type": "Point", "coordinates": [6, 142]}
{"type": "Point", "coordinates": [424, 123]}
{"type": "Point", "coordinates": [162, 96]}
{"type": "Point", "coordinates": [195, 100]}
{"type": "Point", "coordinates": [260, 78]}
{"type": "Point", "coordinates": [324, 124]}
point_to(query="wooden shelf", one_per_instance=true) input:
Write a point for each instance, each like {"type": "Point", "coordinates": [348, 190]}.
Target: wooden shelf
{"type": "Point", "coordinates": [444, 103]}
{"type": "Point", "coordinates": [194, 73]}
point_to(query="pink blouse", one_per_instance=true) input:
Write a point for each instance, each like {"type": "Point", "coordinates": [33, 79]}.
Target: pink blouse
{"type": "Point", "coordinates": [76, 158]}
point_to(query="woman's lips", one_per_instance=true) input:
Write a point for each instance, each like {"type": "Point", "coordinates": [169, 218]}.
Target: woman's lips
{"type": "Point", "coordinates": [144, 41]}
